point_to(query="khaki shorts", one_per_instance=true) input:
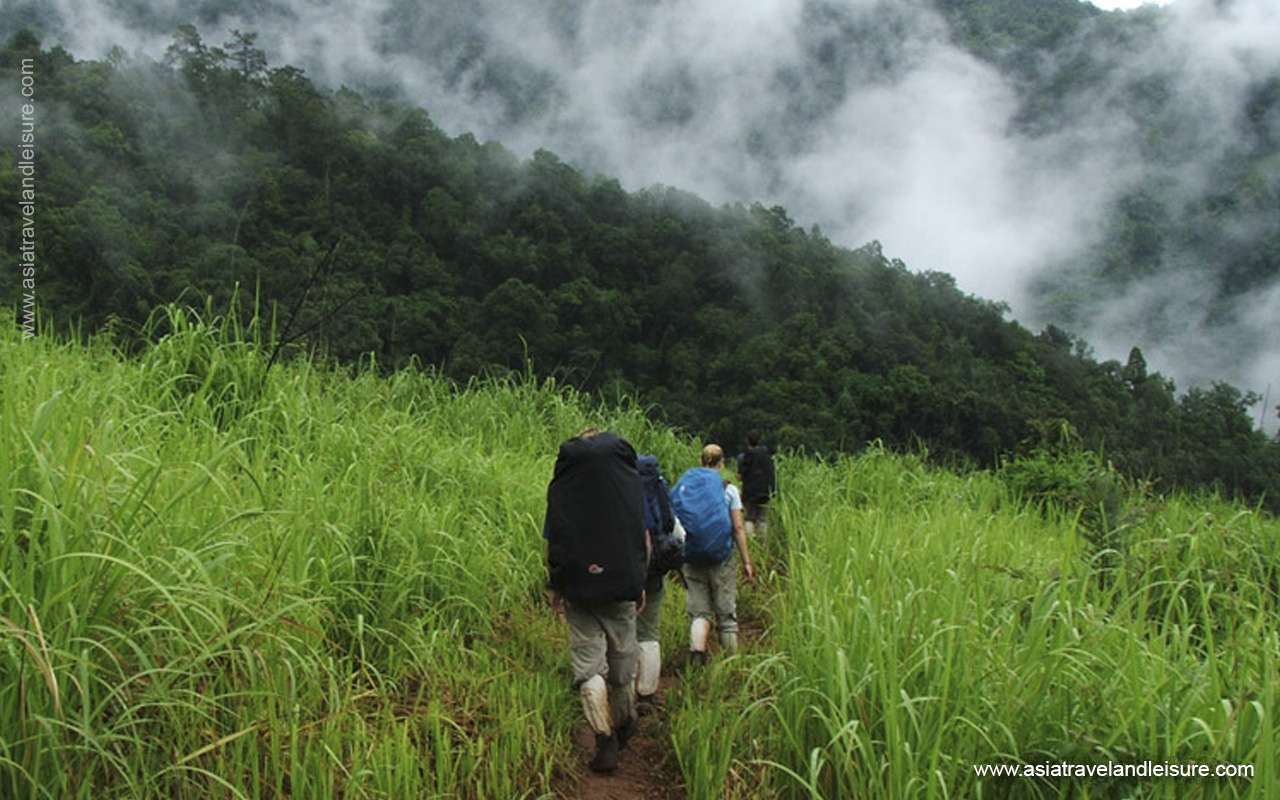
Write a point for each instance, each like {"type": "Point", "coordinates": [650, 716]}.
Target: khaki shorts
{"type": "Point", "coordinates": [755, 514]}
{"type": "Point", "coordinates": [602, 641]}
{"type": "Point", "coordinates": [713, 593]}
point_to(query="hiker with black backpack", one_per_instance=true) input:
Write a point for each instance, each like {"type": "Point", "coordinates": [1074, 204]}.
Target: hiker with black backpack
{"type": "Point", "coordinates": [597, 556]}
{"type": "Point", "coordinates": [710, 509]}
{"type": "Point", "coordinates": [667, 555]}
{"type": "Point", "coordinates": [759, 483]}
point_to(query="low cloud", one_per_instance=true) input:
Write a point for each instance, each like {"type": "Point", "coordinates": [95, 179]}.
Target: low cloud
{"type": "Point", "coordinates": [863, 117]}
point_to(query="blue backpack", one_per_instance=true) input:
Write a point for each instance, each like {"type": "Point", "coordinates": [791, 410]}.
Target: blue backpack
{"type": "Point", "coordinates": [668, 549]}
{"type": "Point", "coordinates": [698, 500]}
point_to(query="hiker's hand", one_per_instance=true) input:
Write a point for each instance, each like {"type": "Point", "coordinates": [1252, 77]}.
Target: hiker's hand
{"type": "Point", "coordinates": [644, 598]}
{"type": "Point", "coordinates": [556, 601]}
{"type": "Point", "coordinates": [751, 573]}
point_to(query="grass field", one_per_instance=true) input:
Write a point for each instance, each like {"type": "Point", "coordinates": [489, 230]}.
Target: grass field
{"type": "Point", "coordinates": [930, 622]}
{"type": "Point", "coordinates": [222, 581]}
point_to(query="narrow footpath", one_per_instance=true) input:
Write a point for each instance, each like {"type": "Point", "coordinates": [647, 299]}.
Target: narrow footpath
{"type": "Point", "coordinates": [648, 769]}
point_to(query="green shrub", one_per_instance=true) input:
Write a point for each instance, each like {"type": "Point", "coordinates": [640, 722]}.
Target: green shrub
{"type": "Point", "coordinates": [1077, 482]}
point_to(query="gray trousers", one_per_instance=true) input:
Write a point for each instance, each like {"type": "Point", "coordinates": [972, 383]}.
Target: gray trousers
{"type": "Point", "coordinates": [713, 593]}
{"type": "Point", "coordinates": [602, 641]}
{"type": "Point", "coordinates": [648, 620]}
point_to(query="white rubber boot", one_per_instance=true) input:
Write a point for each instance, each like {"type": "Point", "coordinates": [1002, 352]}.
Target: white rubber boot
{"type": "Point", "coordinates": [749, 527]}
{"type": "Point", "coordinates": [648, 669]}
{"type": "Point", "coordinates": [699, 630]}
{"type": "Point", "coordinates": [595, 705]}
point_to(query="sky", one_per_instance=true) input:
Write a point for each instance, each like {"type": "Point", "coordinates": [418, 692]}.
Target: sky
{"type": "Point", "coordinates": [909, 140]}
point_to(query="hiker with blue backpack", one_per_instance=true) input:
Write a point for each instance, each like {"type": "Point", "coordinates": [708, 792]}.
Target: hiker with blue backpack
{"type": "Point", "coordinates": [597, 560]}
{"type": "Point", "coordinates": [710, 510]}
{"type": "Point", "coordinates": [667, 538]}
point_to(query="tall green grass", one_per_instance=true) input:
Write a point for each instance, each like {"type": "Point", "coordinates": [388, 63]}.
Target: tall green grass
{"type": "Point", "coordinates": [217, 581]}
{"type": "Point", "coordinates": [931, 622]}
{"type": "Point", "coordinates": [224, 579]}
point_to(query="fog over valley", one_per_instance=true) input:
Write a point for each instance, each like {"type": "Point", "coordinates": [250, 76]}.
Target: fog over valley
{"type": "Point", "coordinates": [1081, 178]}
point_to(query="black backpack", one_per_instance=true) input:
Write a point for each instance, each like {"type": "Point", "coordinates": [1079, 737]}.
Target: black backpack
{"type": "Point", "coordinates": [758, 479]}
{"type": "Point", "coordinates": [659, 519]}
{"type": "Point", "coordinates": [595, 522]}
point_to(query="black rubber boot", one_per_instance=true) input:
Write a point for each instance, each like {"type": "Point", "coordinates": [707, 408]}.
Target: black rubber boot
{"type": "Point", "coordinates": [606, 759]}
{"type": "Point", "coordinates": [698, 658]}
{"type": "Point", "coordinates": [624, 732]}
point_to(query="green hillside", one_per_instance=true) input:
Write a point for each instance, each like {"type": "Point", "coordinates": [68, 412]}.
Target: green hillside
{"type": "Point", "coordinates": [214, 173]}
{"type": "Point", "coordinates": [220, 578]}
{"type": "Point", "coordinates": [1201, 211]}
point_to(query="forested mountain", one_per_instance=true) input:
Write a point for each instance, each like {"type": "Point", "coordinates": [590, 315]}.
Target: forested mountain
{"type": "Point", "coordinates": [213, 170]}
{"type": "Point", "coordinates": [1114, 174]}
{"type": "Point", "coordinates": [1194, 238]}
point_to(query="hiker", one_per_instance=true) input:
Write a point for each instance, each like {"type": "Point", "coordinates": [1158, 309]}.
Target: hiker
{"type": "Point", "coordinates": [667, 555]}
{"type": "Point", "coordinates": [597, 552]}
{"type": "Point", "coordinates": [759, 483]}
{"type": "Point", "coordinates": [710, 509]}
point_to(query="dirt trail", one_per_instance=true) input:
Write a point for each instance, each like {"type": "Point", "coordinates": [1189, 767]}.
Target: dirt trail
{"type": "Point", "coordinates": [647, 771]}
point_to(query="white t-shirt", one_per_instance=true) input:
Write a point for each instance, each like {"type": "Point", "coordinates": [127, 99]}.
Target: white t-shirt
{"type": "Point", "coordinates": [732, 498]}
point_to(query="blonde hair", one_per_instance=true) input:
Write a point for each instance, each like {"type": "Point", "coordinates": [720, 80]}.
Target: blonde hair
{"type": "Point", "coordinates": [588, 432]}
{"type": "Point", "coordinates": [712, 455]}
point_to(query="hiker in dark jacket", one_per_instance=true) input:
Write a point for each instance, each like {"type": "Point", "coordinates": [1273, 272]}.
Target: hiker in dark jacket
{"type": "Point", "coordinates": [759, 483]}
{"type": "Point", "coordinates": [597, 556]}
{"type": "Point", "coordinates": [667, 554]}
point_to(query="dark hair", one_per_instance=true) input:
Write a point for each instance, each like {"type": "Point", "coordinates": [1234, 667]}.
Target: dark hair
{"type": "Point", "coordinates": [753, 438]}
